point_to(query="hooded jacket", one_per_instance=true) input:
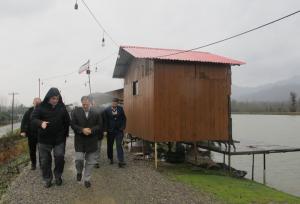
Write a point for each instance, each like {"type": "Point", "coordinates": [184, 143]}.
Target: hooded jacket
{"type": "Point", "coordinates": [59, 120]}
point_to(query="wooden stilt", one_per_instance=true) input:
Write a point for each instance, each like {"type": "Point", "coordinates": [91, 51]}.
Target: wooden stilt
{"type": "Point", "coordinates": [143, 150]}
{"type": "Point", "coordinates": [155, 154]}
{"type": "Point", "coordinates": [264, 169]}
{"type": "Point", "coordinates": [195, 152]}
{"type": "Point", "coordinates": [229, 159]}
{"type": "Point", "coordinates": [252, 167]}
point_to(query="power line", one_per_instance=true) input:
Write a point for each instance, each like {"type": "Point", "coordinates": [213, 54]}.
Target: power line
{"type": "Point", "coordinates": [99, 24]}
{"type": "Point", "coordinates": [71, 73]}
{"type": "Point", "coordinates": [234, 36]}
{"type": "Point", "coordinates": [58, 76]}
{"type": "Point", "coordinates": [105, 58]}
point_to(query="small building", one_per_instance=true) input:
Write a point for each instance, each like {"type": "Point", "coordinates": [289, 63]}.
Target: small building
{"type": "Point", "coordinates": [118, 93]}
{"type": "Point", "coordinates": [175, 97]}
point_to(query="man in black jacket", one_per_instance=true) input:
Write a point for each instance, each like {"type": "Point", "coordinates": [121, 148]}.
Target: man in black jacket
{"type": "Point", "coordinates": [29, 131]}
{"type": "Point", "coordinates": [115, 123]}
{"type": "Point", "coordinates": [87, 125]}
{"type": "Point", "coordinates": [52, 120]}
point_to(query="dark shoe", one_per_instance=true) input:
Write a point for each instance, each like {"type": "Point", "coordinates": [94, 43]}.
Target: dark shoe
{"type": "Point", "coordinates": [87, 184]}
{"type": "Point", "coordinates": [47, 184]}
{"type": "Point", "coordinates": [97, 166]}
{"type": "Point", "coordinates": [111, 161]}
{"type": "Point", "coordinates": [78, 177]}
{"type": "Point", "coordinates": [33, 167]}
{"type": "Point", "coordinates": [121, 164]}
{"type": "Point", "coordinates": [58, 181]}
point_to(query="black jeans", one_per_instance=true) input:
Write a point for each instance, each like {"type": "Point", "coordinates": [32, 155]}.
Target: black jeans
{"type": "Point", "coordinates": [111, 137]}
{"type": "Point", "coordinates": [46, 160]}
{"type": "Point", "coordinates": [32, 143]}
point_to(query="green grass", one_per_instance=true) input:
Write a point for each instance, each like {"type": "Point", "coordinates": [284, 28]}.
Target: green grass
{"type": "Point", "coordinates": [228, 189]}
{"type": "Point", "coordinates": [265, 113]}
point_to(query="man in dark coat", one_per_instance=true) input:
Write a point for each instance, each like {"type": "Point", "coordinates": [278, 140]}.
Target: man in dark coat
{"type": "Point", "coordinates": [52, 120]}
{"type": "Point", "coordinates": [29, 131]}
{"type": "Point", "coordinates": [115, 123]}
{"type": "Point", "coordinates": [87, 125]}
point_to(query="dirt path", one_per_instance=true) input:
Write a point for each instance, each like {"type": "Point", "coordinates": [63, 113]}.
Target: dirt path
{"type": "Point", "coordinates": [137, 183]}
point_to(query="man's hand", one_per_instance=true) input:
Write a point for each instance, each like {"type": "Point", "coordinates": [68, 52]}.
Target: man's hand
{"type": "Point", "coordinates": [87, 131]}
{"type": "Point", "coordinates": [44, 124]}
{"type": "Point", "coordinates": [23, 134]}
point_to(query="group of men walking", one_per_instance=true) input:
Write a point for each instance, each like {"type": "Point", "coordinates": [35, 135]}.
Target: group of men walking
{"type": "Point", "coordinates": [47, 123]}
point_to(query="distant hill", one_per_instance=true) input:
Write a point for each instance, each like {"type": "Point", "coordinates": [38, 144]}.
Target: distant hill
{"type": "Point", "coordinates": [275, 92]}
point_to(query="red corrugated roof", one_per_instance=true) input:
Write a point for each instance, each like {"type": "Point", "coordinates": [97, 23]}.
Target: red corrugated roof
{"type": "Point", "coordinates": [166, 54]}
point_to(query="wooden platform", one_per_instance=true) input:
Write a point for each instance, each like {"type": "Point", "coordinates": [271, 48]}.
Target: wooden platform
{"type": "Point", "coordinates": [237, 148]}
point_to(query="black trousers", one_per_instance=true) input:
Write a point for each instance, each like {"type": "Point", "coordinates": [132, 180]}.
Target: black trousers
{"type": "Point", "coordinates": [32, 144]}
{"type": "Point", "coordinates": [111, 137]}
{"type": "Point", "coordinates": [46, 160]}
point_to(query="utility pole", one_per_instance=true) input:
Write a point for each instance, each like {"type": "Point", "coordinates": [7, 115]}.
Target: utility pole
{"type": "Point", "coordinates": [12, 109]}
{"type": "Point", "coordinates": [39, 88]}
{"type": "Point", "coordinates": [88, 72]}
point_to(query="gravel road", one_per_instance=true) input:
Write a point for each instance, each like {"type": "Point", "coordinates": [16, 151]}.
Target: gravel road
{"type": "Point", "coordinates": [139, 182]}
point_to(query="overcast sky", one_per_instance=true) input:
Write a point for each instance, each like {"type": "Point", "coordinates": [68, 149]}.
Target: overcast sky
{"type": "Point", "coordinates": [46, 38]}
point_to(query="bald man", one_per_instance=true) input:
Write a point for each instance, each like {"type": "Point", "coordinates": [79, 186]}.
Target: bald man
{"type": "Point", "coordinates": [28, 130]}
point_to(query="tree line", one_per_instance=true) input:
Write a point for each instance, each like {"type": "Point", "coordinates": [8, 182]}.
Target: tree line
{"type": "Point", "coordinates": [292, 105]}
{"type": "Point", "coordinates": [5, 113]}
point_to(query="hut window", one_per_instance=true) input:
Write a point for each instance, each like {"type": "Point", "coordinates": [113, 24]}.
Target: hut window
{"type": "Point", "coordinates": [135, 88]}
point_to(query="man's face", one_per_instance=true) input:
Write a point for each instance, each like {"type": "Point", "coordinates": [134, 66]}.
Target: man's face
{"type": "Point", "coordinates": [114, 104]}
{"type": "Point", "coordinates": [54, 100]}
{"type": "Point", "coordinates": [36, 102]}
{"type": "Point", "coordinates": [86, 104]}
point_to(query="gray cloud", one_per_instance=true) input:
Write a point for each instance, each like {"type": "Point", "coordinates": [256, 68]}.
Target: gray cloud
{"type": "Point", "coordinates": [51, 38]}
{"type": "Point", "coordinates": [21, 8]}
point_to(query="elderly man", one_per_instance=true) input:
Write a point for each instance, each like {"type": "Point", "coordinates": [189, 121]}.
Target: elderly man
{"type": "Point", "coordinates": [52, 119]}
{"type": "Point", "coordinates": [87, 125]}
{"type": "Point", "coordinates": [29, 131]}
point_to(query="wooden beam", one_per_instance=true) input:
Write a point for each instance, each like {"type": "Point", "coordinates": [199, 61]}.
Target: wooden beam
{"type": "Point", "coordinates": [155, 155]}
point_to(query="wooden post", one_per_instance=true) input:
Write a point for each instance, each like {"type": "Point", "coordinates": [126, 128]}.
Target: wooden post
{"type": "Point", "coordinates": [264, 169]}
{"type": "Point", "coordinates": [195, 152]}
{"type": "Point", "coordinates": [155, 154]}
{"type": "Point", "coordinates": [229, 159]}
{"type": "Point", "coordinates": [143, 150]}
{"type": "Point", "coordinates": [252, 167]}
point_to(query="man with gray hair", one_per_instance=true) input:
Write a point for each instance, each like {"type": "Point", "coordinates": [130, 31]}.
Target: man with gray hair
{"type": "Point", "coordinates": [31, 132]}
{"type": "Point", "coordinates": [87, 126]}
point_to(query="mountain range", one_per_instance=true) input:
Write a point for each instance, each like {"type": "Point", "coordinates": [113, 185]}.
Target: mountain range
{"type": "Point", "coordinates": [274, 92]}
